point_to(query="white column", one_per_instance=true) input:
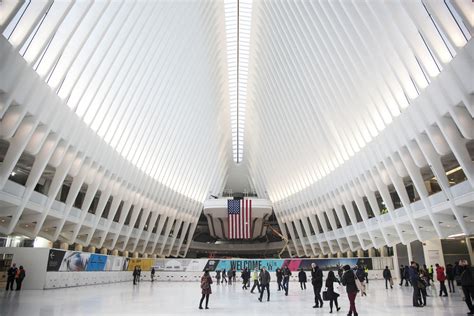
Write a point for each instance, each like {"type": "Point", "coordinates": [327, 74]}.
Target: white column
{"type": "Point", "coordinates": [410, 255]}
{"type": "Point", "coordinates": [469, 249]}
{"type": "Point", "coordinates": [433, 252]}
{"type": "Point", "coordinates": [396, 263]}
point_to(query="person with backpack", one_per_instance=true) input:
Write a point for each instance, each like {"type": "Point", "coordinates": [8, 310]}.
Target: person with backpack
{"type": "Point", "coordinates": [302, 279]}
{"type": "Point", "coordinates": [349, 281]}
{"type": "Point", "coordinates": [317, 282]}
{"type": "Point", "coordinates": [245, 278]}
{"type": "Point", "coordinates": [11, 273]}
{"type": "Point", "coordinates": [20, 275]}
{"type": "Point", "coordinates": [331, 294]}
{"type": "Point", "coordinates": [387, 275]}
{"type": "Point", "coordinates": [206, 290]}
{"type": "Point", "coordinates": [441, 277]}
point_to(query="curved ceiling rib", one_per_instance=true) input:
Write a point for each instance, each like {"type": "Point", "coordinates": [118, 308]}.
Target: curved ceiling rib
{"type": "Point", "coordinates": [119, 67]}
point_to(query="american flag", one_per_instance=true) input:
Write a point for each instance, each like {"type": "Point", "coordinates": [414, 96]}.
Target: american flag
{"type": "Point", "coordinates": [240, 219]}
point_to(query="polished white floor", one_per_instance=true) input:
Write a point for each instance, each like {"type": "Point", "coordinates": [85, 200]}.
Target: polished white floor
{"type": "Point", "coordinates": [183, 298]}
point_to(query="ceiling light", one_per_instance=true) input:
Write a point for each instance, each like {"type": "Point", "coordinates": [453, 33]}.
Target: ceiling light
{"type": "Point", "coordinates": [456, 235]}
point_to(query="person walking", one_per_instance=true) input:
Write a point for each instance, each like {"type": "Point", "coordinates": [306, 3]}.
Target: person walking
{"type": "Point", "coordinates": [332, 295]}
{"type": "Point", "coordinates": [218, 277]}
{"type": "Point", "coordinates": [366, 274]}
{"type": "Point", "coordinates": [11, 273]}
{"type": "Point", "coordinates": [279, 275]}
{"type": "Point", "coordinates": [349, 281]}
{"type": "Point", "coordinates": [423, 283]}
{"type": "Point", "coordinates": [286, 279]}
{"type": "Point", "coordinates": [206, 290]}
{"type": "Point", "coordinates": [230, 276]}
{"type": "Point", "coordinates": [402, 275]}
{"type": "Point", "coordinates": [135, 275]}
{"type": "Point", "coordinates": [224, 276]}
{"type": "Point", "coordinates": [234, 275]}
{"type": "Point", "coordinates": [152, 274]}
{"type": "Point", "coordinates": [441, 277]}
{"type": "Point", "coordinates": [254, 278]}
{"type": "Point", "coordinates": [467, 283]}
{"type": "Point", "coordinates": [406, 274]}
{"type": "Point", "coordinates": [387, 275]}
{"type": "Point", "coordinates": [360, 273]}
{"type": "Point", "coordinates": [302, 279]}
{"type": "Point", "coordinates": [264, 278]}
{"type": "Point", "coordinates": [317, 282]}
{"type": "Point", "coordinates": [414, 280]}
{"type": "Point", "coordinates": [245, 279]}
{"type": "Point", "coordinates": [450, 277]}
{"type": "Point", "coordinates": [139, 274]}
{"type": "Point", "coordinates": [20, 275]}
{"type": "Point", "coordinates": [431, 273]}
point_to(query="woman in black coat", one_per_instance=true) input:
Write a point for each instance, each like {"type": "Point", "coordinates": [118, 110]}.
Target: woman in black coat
{"type": "Point", "coordinates": [302, 279]}
{"type": "Point", "coordinates": [331, 279]}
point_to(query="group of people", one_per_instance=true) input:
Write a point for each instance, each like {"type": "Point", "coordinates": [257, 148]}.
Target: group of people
{"type": "Point", "coordinates": [137, 274]}
{"type": "Point", "coordinates": [421, 277]}
{"type": "Point", "coordinates": [15, 275]}
{"type": "Point", "coordinates": [352, 279]}
{"type": "Point", "coordinates": [223, 276]}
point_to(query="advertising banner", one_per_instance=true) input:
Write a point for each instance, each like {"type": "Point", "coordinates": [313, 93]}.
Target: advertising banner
{"type": "Point", "coordinates": [55, 259]}
{"type": "Point", "coordinates": [177, 265]}
{"type": "Point", "coordinates": [96, 262]}
{"type": "Point", "coordinates": [144, 264]}
{"type": "Point", "coordinates": [75, 261]}
{"type": "Point", "coordinates": [115, 263]}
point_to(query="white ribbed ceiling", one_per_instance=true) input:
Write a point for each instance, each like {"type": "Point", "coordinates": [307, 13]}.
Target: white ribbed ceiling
{"type": "Point", "coordinates": [327, 105]}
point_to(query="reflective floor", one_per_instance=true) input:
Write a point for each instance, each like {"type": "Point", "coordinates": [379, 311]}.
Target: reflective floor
{"type": "Point", "coordinates": [183, 299]}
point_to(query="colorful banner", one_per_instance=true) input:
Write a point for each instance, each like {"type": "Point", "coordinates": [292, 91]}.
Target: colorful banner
{"type": "Point", "coordinates": [96, 262]}
{"type": "Point", "coordinates": [144, 264]}
{"type": "Point", "coordinates": [61, 260]}
{"type": "Point", "coordinates": [75, 261]}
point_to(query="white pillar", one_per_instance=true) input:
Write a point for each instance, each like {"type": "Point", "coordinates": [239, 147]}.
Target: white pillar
{"type": "Point", "coordinates": [78, 247]}
{"type": "Point", "coordinates": [339, 254]}
{"type": "Point", "coordinates": [396, 263]}
{"type": "Point", "coordinates": [330, 255]}
{"type": "Point", "coordinates": [469, 249]}
{"type": "Point", "coordinates": [410, 255]}
{"type": "Point", "coordinates": [360, 253]}
{"type": "Point", "coordinates": [350, 254]}
{"type": "Point", "coordinates": [371, 252]}
{"type": "Point", "coordinates": [115, 252]}
{"type": "Point", "coordinates": [64, 246]}
{"type": "Point", "coordinates": [433, 252]}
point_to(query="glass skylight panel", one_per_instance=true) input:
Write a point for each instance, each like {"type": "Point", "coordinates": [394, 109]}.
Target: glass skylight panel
{"type": "Point", "coordinates": [238, 24]}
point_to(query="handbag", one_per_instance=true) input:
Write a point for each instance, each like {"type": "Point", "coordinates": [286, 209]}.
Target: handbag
{"type": "Point", "coordinates": [391, 282]}
{"type": "Point", "coordinates": [326, 296]}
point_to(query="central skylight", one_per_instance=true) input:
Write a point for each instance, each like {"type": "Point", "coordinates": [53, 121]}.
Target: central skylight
{"type": "Point", "coordinates": [238, 22]}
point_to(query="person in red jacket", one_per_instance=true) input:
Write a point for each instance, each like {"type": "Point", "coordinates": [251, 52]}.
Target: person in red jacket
{"type": "Point", "coordinates": [441, 278]}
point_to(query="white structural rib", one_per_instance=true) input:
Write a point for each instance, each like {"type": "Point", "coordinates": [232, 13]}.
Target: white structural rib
{"type": "Point", "coordinates": [113, 110]}
{"type": "Point", "coordinates": [352, 104]}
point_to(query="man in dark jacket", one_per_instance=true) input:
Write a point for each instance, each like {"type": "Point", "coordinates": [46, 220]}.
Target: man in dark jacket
{"type": "Point", "coordinates": [407, 275]}
{"type": "Point", "coordinates": [450, 277]}
{"type": "Point", "coordinates": [414, 278]}
{"type": "Point", "coordinates": [11, 273]}
{"type": "Point", "coordinates": [402, 275]}
{"type": "Point", "coordinates": [467, 283]}
{"type": "Point", "coordinates": [264, 283]}
{"type": "Point", "coordinates": [279, 275]}
{"type": "Point", "coordinates": [387, 275]}
{"type": "Point", "coordinates": [245, 279]}
{"type": "Point", "coordinates": [317, 282]}
{"type": "Point", "coordinates": [349, 281]}
{"type": "Point", "coordinates": [302, 279]}
{"type": "Point", "coordinates": [286, 279]}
